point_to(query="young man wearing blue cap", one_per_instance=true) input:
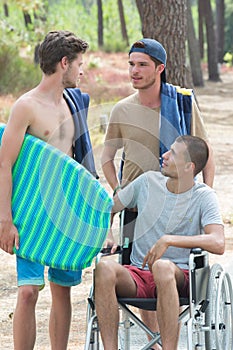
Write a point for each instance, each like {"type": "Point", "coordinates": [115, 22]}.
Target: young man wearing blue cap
{"type": "Point", "coordinates": [146, 123]}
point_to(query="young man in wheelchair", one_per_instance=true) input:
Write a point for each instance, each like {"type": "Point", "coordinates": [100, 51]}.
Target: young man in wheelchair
{"type": "Point", "coordinates": [173, 212]}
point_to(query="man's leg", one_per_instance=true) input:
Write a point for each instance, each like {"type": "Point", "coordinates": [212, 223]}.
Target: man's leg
{"type": "Point", "coordinates": [148, 317]}
{"type": "Point", "coordinates": [167, 277]}
{"type": "Point", "coordinates": [150, 320]}
{"type": "Point", "coordinates": [111, 279]}
{"type": "Point", "coordinates": [30, 279]}
{"type": "Point", "coordinates": [60, 316]}
{"type": "Point", "coordinates": [24, 323]}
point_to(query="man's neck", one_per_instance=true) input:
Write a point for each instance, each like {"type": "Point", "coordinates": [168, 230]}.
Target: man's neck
{"type": "Point", "coordinates": [178, 186]}
{"type": "Point", "coordinates": [150, 97]}
{"type": "Point", "coordinates": [51, 89]}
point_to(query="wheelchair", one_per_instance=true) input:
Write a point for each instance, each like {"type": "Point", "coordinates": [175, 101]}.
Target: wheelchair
{"type": "Point", "coordinates": [206, 316]}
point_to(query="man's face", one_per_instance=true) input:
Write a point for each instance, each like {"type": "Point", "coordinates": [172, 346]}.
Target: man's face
{"type": "Point", "coordinates": [175, 160]}
{"type": "Point", "coordinates": [73, 73]}
{"type": "Point", "coordinates": [142, 70]}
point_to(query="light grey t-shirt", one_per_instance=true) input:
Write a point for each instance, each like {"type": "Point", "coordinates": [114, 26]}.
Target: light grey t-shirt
{"type": "Point", "coordinates": [162, 212]}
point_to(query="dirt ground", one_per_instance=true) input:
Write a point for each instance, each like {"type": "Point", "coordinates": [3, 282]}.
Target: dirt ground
{"type": "Point", "coordinates": [216, 104]}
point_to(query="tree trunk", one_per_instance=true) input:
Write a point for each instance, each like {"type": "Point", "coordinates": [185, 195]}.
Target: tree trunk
{"type": "Point", "coordinates": [166, 22]}
{"type": "Point", "coordinates": [200, 27]}
{"type": "Point", "coordinates": [140, 9]}
{"type": "Point", "coordinates": [123, 24]}
{"type": "Point", "coordinates": [220, 23]}
{"type": "Point", "coordinates": [211, 42]}
{"type": "Point", "coordinates": [27, 19]}
{"type": "Point", "coordinates": [36, 54]}
{"type": "Point", "coordinates": [194, 52]}
{"type": "Point", "coordinates": [6, 9]}
{"type": "Point", "coordinates": [100, 24]}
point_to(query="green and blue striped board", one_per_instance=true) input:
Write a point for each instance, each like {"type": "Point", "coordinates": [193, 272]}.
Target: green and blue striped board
{"type": "Point", "coordinates": [61, 211]}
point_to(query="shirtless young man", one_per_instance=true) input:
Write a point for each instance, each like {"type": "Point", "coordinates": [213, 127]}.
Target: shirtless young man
{"type": "Point", "coordinates": [44, 113]}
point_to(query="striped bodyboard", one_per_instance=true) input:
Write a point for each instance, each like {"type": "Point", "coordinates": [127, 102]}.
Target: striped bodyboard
{"type": "Point", "coordinates": [61, 211]}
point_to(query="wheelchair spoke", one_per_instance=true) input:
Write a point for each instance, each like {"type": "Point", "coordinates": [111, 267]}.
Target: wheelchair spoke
{"type": "Point", "coordinates": [224, 311]}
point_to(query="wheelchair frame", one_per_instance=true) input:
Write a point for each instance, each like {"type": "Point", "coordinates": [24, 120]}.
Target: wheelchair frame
{"type": "Point", "coordinates": [207, 314]}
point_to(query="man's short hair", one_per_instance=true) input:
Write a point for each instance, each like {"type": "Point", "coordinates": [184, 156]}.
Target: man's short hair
{"type": "Point", "coordinates": [56, 45]}
{"type": "Point", "coordinates": [197, 151]}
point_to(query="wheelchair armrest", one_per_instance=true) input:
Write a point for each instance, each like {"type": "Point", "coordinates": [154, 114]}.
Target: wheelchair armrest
{"type": "Point", "coordinates": [196, 251]}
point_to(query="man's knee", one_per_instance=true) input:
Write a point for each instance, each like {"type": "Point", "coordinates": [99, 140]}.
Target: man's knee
{"type": "Point", "coordinates": [163, 271]}
{"type": "Point", "coordinates": [60, 292]}
{"type": "Point", "coordinates": [105, 273]}
{"type": "Point", "coordinates": [28, 294]}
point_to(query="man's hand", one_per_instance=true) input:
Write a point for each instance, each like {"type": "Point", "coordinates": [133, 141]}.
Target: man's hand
{"type": "Point", "coordinates": [155, 253]}
{"type": "Point", "coordinates": [9, 236]}
{"type": "Point", "coordinates": [110, 243]}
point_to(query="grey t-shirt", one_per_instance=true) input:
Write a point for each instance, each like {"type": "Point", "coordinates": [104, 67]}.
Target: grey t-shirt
{"type": "Point", "coordinates": [162, 212]}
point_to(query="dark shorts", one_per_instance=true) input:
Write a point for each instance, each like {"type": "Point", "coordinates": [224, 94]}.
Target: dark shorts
{"type": "Point", "coordinates": [146, 287]}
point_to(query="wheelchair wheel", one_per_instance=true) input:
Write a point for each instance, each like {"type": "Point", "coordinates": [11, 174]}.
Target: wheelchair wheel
{"type": "Point", "coordinates": [218, 316]}
{"type": "Point", "coordinates": [93, 341]}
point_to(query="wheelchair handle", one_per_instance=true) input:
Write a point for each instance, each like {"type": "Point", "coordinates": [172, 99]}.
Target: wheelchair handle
{"type": "Point", "coordinates": [107, 250]}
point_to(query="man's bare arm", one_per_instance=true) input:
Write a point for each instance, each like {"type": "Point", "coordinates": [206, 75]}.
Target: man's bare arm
{"type": "Point", "coordinates": [212, 241]}
{"type": "Point", "coordinates": [11, 144]}
{"type": "Point", "coordinates": [108, 166]}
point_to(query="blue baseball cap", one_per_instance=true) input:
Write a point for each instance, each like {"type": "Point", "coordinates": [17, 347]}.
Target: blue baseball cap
{"type": "Point", "coordinates": [154, 49]}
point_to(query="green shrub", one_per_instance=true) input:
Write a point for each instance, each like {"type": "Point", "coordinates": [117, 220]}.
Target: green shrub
{"type": "Point", "coordinates": [17, 74]}
{"type": "Point", "coordinates": [115, 46]}
{"type": "Point", "coordinates": [228, 58]}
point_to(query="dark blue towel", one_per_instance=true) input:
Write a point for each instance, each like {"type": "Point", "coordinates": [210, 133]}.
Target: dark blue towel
{"type": "Point", "coordinates": [176, 113]}
{"type": "Point", "coordinates": [78, 103]}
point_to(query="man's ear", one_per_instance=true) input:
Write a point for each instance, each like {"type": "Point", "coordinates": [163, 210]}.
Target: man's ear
{"type": "Point", "coordinates": [64, 62]}
{"type": "Point", "coordinates": [190, 166]}
{"type": "Point", "coordinates": [161, 68]}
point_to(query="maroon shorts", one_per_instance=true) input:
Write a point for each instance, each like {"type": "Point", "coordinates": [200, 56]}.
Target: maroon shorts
{"type": "Point", "coordinates": [146, 287]}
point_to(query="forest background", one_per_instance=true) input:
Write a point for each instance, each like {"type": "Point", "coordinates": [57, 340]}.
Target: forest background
{"type": "Point", "coordinates": [197, 34]}
{"type": "Point", "coordinates": [23, 24]}
{"type": "Point", "coordinates": [192, 31]}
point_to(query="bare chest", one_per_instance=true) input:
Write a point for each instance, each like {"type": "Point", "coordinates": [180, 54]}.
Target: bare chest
{"type": "Point", "coordinates": [54, 125]}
